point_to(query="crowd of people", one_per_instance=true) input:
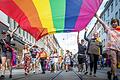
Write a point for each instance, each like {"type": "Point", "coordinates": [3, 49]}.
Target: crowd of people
{"type": "Point", "coordinates": [87, 55]}
{"type": "Point", "coordinates": [94, 49]}
{"type": "Point", "coordinates": [33, 57]}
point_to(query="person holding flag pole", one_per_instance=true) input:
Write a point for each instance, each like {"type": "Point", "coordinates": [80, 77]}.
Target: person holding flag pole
{"type": "Point", "coordinates": [7, 50]}
{"type": "Point", "coordinates": [113, 44]}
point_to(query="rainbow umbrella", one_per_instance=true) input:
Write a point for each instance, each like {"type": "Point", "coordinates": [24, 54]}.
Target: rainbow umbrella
{"type": "Point", "coordinates": [42, 17]}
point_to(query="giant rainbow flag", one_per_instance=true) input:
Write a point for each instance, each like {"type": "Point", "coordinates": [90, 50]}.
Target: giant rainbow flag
{"type": "Point", "coordinates": [41, 17]}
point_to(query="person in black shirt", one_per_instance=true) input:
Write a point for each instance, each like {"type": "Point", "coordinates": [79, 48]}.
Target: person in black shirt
{"type": "Point", "coordinates": [34, 51]}
{"type": "Point", "coordinates": [81, 54]}
{"type": "Point", "coordinates": [7, 50]}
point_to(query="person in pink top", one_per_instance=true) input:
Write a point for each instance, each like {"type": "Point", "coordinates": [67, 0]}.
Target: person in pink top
{"type": "Point", "coordinates": [113, 44]}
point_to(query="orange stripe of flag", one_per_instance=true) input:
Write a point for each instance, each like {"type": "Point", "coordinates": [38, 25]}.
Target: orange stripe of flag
{"type": "Point", "coordinates": [30, 11]}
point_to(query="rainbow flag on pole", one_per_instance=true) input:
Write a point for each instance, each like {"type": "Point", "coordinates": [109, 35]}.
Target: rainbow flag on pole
{"type": "Point", "coordinates": [41, 17]}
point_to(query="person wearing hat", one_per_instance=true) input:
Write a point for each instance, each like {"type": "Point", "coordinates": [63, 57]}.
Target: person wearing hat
{"type": "Point", "coordinates": [34, 51]}
{"type": "Point", "coordinates": [6, 50]}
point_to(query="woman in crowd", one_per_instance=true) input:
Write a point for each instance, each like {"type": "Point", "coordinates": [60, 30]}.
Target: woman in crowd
{"type": "Point", "coordinates": [26, 58]}
{"type": "Point", "coordinates": [55, 57]}
{"type": "Point", "coordinates": [67, 60]}
{"type": "Point", "coordinates": [93, 50]}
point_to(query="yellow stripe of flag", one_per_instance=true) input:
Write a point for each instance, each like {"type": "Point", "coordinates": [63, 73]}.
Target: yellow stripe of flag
{"type": "Point", "coordinates": [45, 15]}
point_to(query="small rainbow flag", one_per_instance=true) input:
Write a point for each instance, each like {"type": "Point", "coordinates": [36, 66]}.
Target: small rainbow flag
{"type": "Point", "coordinates": [42, 17]}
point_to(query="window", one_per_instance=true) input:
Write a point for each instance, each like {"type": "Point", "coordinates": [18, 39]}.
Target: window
{"type": "Point", "coordinates": [27, 35]}
{"type": "Point", "coordinates": [108, 23]}
{"type": "Point", "coordinates": [119, 13]}
{"type": "Point", "coordinates": [8, 19]}
{"type": "Point", "coordinates": [116, 15]}
{"type": "Point", "coordinates": [19, 31]}
{"type": "Point", "coordinates": [108, 13]}
{"type": "Point", "coordinates": [32, 40]}
{"type": "Point", "coordinates": [104, 17]}
{"type": "Point", "coordinates": [112, 7]}
{"type": "Point", "coordinates": [14, 24]}
{"type": "Point", "coordinates": [24, 33]}
{"type": "Point", "coordinates": [116, 2]}
{"type": "Point", "coordinates": [30, 37]}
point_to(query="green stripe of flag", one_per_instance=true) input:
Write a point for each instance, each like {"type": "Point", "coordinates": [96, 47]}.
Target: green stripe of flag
{"type": "Point", "coordinates": [58, 14]}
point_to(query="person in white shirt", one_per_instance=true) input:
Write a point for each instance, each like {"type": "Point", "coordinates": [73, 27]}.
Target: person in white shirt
{"type": "Point", "coordinates": [67, 60]}
{"type": "Point", "coordinates": [55, 59]}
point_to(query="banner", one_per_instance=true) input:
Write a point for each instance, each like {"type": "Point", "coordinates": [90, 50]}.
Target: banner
{"type": "Point", "coordinates": [42, 17]}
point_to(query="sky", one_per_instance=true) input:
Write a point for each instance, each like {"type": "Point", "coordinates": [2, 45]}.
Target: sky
{"type": "Point", "coordinates": [68, 41]}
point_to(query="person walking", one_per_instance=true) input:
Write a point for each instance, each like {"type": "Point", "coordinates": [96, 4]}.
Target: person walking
{"type": "Point", "coordinates": [42, 56]}
{"type": "Point", "coordinates": [55, 58]}
{"type": "Point", "coordinates": [113, 44]}
{"type": "Point", "coordinates": [71, 61]}
{"type": "Point", "coordinates": [52, 62]}
{"type": "Point", "coordinates": [6, 55]}
{"type": "Point", "coordinates": [81, 55]}
{"type": "Point", "coordinates": [93, 50]}
{"type": "Point", "coordinates": [67, 60]}
{"type": "Point", "coordinates": [34, 51]}
{"type": "Point", "coordinates": [26, 59]}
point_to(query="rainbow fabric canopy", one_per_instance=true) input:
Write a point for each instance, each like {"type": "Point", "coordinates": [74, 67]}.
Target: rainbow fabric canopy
{"type": "Point", "coordinates": [41, 17]}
